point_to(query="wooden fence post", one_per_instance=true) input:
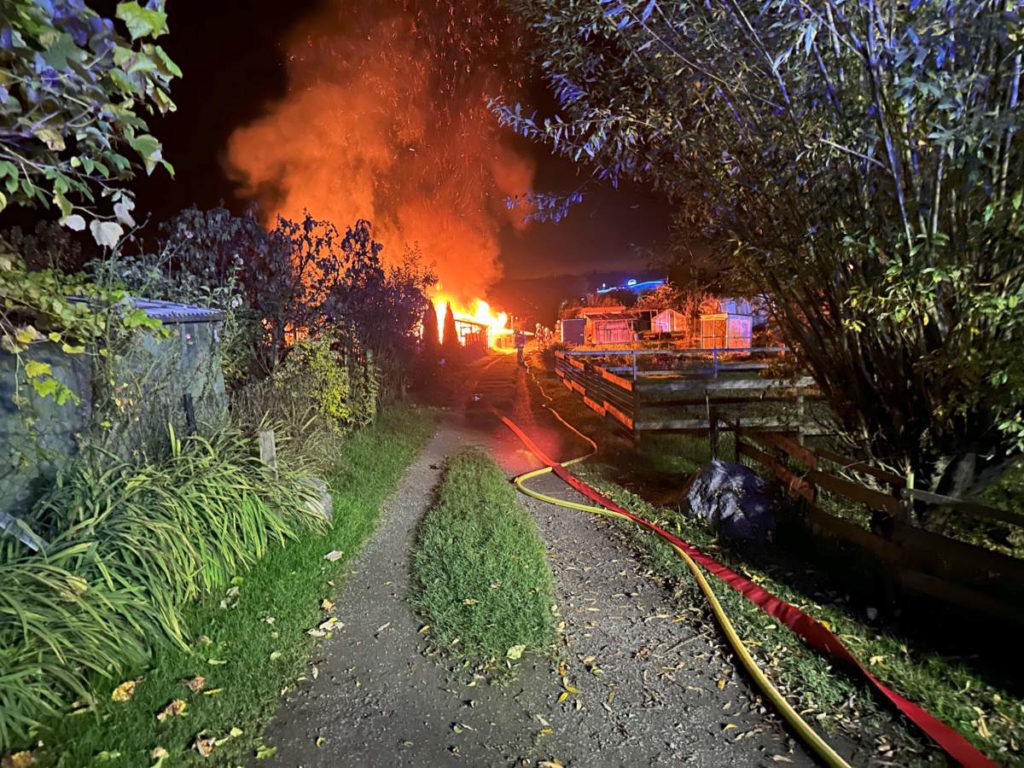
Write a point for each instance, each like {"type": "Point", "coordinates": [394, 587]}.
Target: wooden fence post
{"type": "Point", "coordinates": [713, 432]}
{"type": "Point", "coordinates": [268, 450]}
{"type": "Point", "coordinates": [800, 418]}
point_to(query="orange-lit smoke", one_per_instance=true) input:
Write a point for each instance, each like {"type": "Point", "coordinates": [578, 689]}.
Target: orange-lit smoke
{"type": "Point", "coordinates": [383, 122]}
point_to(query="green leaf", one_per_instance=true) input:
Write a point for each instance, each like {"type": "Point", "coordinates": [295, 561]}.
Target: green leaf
{"type": "Point", "coordinates": [50, 138]}
{"type": "Point", "coordinates": [34, 369]}
{"type": "Point", "coordinates": [45, 386]}
{"type": "Point", "coordinates": [106, 233]}
{"type": "Point", "coordinates": [148, 148]}
{"type": "Point", "coordinates": [142, 22]}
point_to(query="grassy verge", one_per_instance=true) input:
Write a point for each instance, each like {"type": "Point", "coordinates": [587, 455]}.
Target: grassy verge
{"type": "Point", "coordinates": [480, 576]}
{"type": "Point", "coordinates": [251, 640]}
{"type": "Point", "coordinates": [981, 705]}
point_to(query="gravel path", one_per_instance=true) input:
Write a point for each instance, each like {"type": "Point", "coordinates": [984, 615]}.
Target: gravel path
{"type": "Point", "coordinates": [652, 689]}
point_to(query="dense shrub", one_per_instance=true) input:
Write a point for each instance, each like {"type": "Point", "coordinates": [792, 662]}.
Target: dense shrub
{"type": "Point", "coordinates": [128, 547]}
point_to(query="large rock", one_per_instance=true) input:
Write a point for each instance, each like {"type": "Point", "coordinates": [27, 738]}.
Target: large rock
{"type": "Point", "coordinates": [735, 500]}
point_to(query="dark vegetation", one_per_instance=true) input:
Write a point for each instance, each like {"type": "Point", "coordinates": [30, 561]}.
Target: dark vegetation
{"type": "Point", "coordinates": [480, 575]}
{"type": "Point", "coordinates": [192, 558]}
{"type": "Point", "coordinates": [249, 636]}
{"type": "Point", "coordinates": [851, 161]}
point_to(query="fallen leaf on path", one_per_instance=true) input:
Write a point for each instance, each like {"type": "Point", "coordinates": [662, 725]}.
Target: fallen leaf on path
{"type": "Point", "coordinates": [515, 652]}
{"type": "Point", "coordinates": [124, 691]}
{"type": "Point", "coordinates": [175, 708]}
{"type": "Point", "coordinates": [556, 763]}
{"type": "Point", "coordinates": [159, 754]}
{"type": "Point", "coordinates": [316, 633]}
{"type": "Point", "coordinates": [275, 655]}
{"type": "Point", "coordinates": [196, 684]}
{"type": "Point", "coordinates": [319, 741]}
{"type": "Point", "coordinates": [424, 628]}
{"type": "Point", "coordinates": [204, 745]}
{"type": "Point", "coordinates": [334, 554]}
{"type": "Point", "coordinates": [326, 605]}
{"type": "Point", "coordinates": [721, 684]}
{"type": "Point", "coordinates": [212, 692]}
{"type": "Point", "coordinates": [325, 625]}
{"type": "Point", "coordinates": [22, 759]}
{"type": "Point", "coordinates": [263, 752]}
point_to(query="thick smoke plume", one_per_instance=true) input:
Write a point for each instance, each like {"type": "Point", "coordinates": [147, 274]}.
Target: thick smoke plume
{"type": "Point", "coordinates": [385, 119]}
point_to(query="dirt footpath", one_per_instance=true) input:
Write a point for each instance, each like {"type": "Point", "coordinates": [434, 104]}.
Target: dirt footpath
{"type": "Point", "coordinates": [651, 689]}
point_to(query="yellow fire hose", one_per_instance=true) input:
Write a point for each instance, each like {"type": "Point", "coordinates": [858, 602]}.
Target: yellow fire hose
{"type": "Point", "coordinates": [789, 714]}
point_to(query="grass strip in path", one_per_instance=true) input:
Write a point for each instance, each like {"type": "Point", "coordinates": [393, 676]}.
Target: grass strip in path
{"type": "Point", "coordinates": [480, 576]}
{"type": "Point", "coordinates": [251, 642]}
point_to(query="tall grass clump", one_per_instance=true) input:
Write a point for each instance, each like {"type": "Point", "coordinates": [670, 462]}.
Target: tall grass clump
{"type": "Point", "coordinates": [480, 576]}
{"type": "Point", "coordinates": [128, 547]}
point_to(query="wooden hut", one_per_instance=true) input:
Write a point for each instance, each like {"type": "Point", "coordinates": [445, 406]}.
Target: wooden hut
{"type": "Point", "coordinates": [725, 330]}
{"type": "Point", "coordinates": [668, 321]}
{"type": "Point", "coordinates": [610, 328]}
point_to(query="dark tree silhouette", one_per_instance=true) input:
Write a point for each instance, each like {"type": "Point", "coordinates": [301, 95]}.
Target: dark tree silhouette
{"type": "Point", "coordinates": [450, 340]}
{"type": "Point", "coordinates": [431, 338]}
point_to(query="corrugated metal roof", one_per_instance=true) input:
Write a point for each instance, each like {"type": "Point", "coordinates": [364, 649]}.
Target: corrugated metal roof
{"type": "Point", "coordinates": [170, 313]}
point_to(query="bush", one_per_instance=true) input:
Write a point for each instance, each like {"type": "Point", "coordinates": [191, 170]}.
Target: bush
{"type": "Point", "coordinates": [324, 383]}
{"type": "Point", "coordinates": [129, 547]}
{"type": "Point", "coordinates": [479, 572]}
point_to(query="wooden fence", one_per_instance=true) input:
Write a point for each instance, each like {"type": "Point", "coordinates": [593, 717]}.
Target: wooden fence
{"type": "Point", "coordinates": [703, 391]}
{"type": "Point", "coordinates": [922, 561]}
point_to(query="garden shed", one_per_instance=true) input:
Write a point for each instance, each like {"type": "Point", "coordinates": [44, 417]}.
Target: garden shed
{"type": "Point", "coordinates": [725, 330]}
{"type": "Point", "coordinates": [668, 321]}
{"type": "Point", "coordinates": [611, 328]}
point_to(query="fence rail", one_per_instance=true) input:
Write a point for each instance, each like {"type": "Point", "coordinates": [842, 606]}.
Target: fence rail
{"type": "Point", "coordinates": [694, 398]}
{"type": "Point", "coordinates": [923, 561]}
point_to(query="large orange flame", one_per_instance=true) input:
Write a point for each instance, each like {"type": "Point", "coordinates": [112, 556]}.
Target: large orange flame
{"type": "Point", "coordinates": [495, 322]}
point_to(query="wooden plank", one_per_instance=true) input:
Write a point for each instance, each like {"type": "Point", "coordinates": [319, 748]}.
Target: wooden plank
{"type": "Point", "coordinates": [616, 380]}
{"type": "Point", "coordinates": [559, 354]}
{"type": "Point", "coordinates": [690, 425]}
{"type": "Point", "coordinates": [730, 385]}
{"type": "Point", "coordinates": [610, 408]}
{"type": "Point", "coordinates": [560, 373]}
{"type": "Point", "coordinates": [957, 595]}
{"type": "Point", "coordinates": [851, 533]}
{"type": "Point", "coordinates": [864, 468]}
{"type": "Point", "coordinates": [794, 485]}
{"type": "Point", "coordinates": [856, 492]}
{"type": "Point", "coordinates": [939, 554]}
{"type": "Point", "coordinates": [594, 406]}
{"type": "Point", "coordinates": [972, 508]}
{"type": "Point", "coordinates": [578, 387]}
{"type": "Point", "coordinates": [568, 384]}
{"type": "Point", "coordinates": [576, 363]}
{"type": "Point", "coordinates": [794, 449]}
